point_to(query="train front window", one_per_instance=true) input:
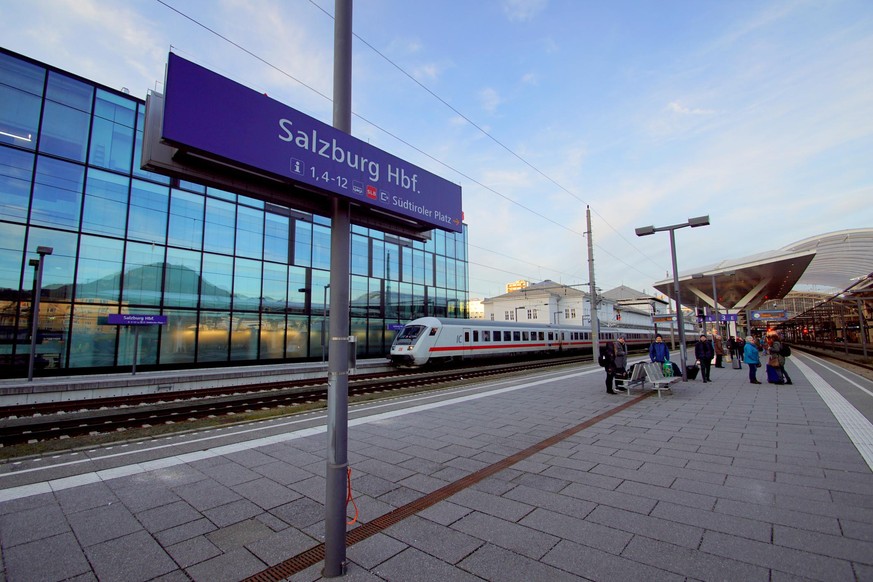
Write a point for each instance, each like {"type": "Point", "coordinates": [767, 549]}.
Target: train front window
{"type": "Point", "coordinates": [409, 334]}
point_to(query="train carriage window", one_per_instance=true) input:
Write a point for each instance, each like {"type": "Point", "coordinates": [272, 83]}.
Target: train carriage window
{"type": "Point", "coordinates": [466, 337]}
{"type": "Point", "coordinates": [433, 331]}
{"type": "Point", "coordinates": [486, 335]}
{"type": "Point", "coordinates": [476, 335]}
{"type": "Point", "coordinates": [585, 335]}
{"type": "Point", "coordinates": [516, 336]}
{"type": "Point", "coordinates": [542, 335]}
{"type": "Point", "coordinates": [507, 336]}
{"type": "Point", "coordinates": [551, 336]}
{"type": "Point", "coordinates": [525, 336]}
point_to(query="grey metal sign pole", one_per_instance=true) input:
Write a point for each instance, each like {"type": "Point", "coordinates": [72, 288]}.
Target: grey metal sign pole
{"type": "Point", "coordinates": [338, 356]}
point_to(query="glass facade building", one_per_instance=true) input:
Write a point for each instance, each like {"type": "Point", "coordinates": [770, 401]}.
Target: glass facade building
{"type": "Point", "coordinates": [239, 280]}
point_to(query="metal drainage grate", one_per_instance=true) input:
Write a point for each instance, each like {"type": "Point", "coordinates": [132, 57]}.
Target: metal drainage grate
{"type": "Point", "coordinates": [314, 555]}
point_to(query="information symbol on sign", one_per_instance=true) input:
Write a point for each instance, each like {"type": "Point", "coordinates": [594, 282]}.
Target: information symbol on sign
{"type": "Point", "coordinates": [298, 166]}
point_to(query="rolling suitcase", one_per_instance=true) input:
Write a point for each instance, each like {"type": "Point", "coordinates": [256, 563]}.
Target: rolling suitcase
{"type": "Point", "coordinates": [773, 375]}
{"type": "Point", "coordinates": [736, 364]}
{"type": "Point", "coordinates": [692, 371]}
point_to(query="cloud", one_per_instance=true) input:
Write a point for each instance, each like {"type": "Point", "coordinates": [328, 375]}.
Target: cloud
{"type": "Point", "coordinates": [676, 107]}
{"type": "Point", "coordinates": [530, 79]}
{"type": "Point", "coordinates": [489, 99]}
{"type": "Point", "coordinates": [523, 10]}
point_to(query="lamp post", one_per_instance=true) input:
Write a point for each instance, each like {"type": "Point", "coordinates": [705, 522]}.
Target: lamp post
{"type": "Point", "coordinates": [34, 306]}
{"type": "Point", "coordinates": [647, 230]}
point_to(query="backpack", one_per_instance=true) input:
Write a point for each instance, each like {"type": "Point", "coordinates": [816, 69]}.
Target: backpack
{"type": "Point", "coordinates": [785, 351]}
{"type": "Point", "coordinates": [601, 359]}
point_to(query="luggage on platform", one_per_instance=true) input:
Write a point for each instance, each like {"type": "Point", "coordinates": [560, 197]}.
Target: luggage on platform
{"type": "Point", "coordinates": [692, 371]}
{"type": "Point", "coordinates": [736, 364]}
{"type": "Point", "coordinates": [773, 375]}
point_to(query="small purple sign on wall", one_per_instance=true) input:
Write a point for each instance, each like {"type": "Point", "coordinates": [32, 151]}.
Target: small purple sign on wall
{"type": "Point", "coordinates": [212, 115]}
{"type": "Point", "coordinates": [135, 319]}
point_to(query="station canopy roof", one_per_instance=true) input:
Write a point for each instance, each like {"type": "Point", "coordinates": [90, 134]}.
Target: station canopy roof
{"type": "Point", "coordinates": [836, 261]}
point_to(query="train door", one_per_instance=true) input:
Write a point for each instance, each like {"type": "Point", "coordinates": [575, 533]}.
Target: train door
{"type": "Point", "coordinates": [467, 343]}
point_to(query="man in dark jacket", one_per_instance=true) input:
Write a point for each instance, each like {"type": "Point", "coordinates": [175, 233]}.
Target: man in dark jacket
{"type": "Point", "coordinates": [608, 353]}
{"type": "Point", "coordinates": [704, 352]}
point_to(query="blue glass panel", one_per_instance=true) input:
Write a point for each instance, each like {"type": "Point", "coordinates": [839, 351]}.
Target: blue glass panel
{"type": "Point", "coordinates": [439, 237]}
{"type": "Point", "coordinates": [378, 261]}
{"type": "Point", "coordinates": [21, 74]}
{"type": "Point", "coordinates": [272, 341]}
{"type": "Point", "coordinates": [98, 278]}
{"type": "Point", "coordinates": [253, 202]}
{"type": "Point", "coordinates": [57, 274]}
{"type": "Point", "coordinates": [249, 232]}
{"type": "Point", "coordinates": [302, 243]}
{"type": "Point", "coordinates": [360, 263]}
{"type": "Point", "coordinates": [143, 271]}
{"type": "Point", "coordinates": [11, 257]}
{"type": "Point", "coordinates": [68, 91]}
{"type": "Point", "coordinates": [57, 193]}
{"type": "Point", "coordinates": [115, 108]}
{"type": "Point", "coordinates": [392, 261]}
{"type": "Point", "coordinates": [111, 145]}
{"type": "Point", "coordinates": [320, 247]}
{"type": "Point", "coordinates": [178, 337]}
{"type": "Point", "coordinates": [215, 290]}
{"type": "Point", "coordinates": [194, 187]}
{"type": "Point", "coordinates": [21, 86]}
{"type": "Point", "coordinates": [296, 297]}
{"type": "Point", "coordinates": [182, 278]}
{"type": "Point", "coordinates": [16, 172]}
{"type": "Point", "coordinates": [275, 288]}
{"type": "Point", "coordinates": [64, 131]}
{"type": "Point", "coordinates": [105, 209]}
{"type": "Point", "coordinates": [220, 226]}
{"type": "Point", "coordinates": [246, 285]}
{"type": "Point", "coordinates": [451, 274]}
{"type": "Point", "coordinates": [406, 265]}
{"type": "Point", "coordinates": [440, 271]}
{"type": "Point", "coordinates": [244, 335]}
{"type": "Point", "coordinates": [418, 267]}
{"type": "Point", "coordinates": [186, 220]}
{"type": "Point", "coordinates": [213, 192]}
{"type": "Point", "coordinates": [276, 238]}
{"type": "Point", "coordinates": [359, 300]}
{"type": "Point", "coordinates": [148, 212]}
{"type": "Point", "coordinates": [92, 344]}
{"type": "Point", "coordinates": [297, 338]}
{"type": "Point", "coordinates": [213, 336]}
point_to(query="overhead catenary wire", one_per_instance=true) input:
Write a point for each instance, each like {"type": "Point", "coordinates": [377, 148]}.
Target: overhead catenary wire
{"type": "Point", "coordinates": [420, 151]}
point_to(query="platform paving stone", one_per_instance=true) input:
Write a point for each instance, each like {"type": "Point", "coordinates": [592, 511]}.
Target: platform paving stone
{"type": "Point", "coordinates": [143, 559]}
{"type": "Point", "coordinates": [716, 482]}
{"type": "Point", "coordinates": [54, 558]}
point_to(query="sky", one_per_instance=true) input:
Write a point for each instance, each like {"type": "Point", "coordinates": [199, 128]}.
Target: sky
{"type": "Point", "coordinates": [757, 113]}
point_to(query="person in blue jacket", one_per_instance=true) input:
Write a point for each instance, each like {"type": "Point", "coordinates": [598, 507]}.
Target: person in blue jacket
{"type": "Point", "coordinates": [750, 357]}
{"type": "Point", "coordinates": [658, 351]}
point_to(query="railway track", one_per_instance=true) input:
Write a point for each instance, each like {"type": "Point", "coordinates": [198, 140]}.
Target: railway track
{"type": "Point", "coordinates": [34, 424]}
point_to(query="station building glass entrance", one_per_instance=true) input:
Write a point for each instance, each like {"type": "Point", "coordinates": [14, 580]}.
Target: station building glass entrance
{"type": "Point", "coordinates": [239, 280]}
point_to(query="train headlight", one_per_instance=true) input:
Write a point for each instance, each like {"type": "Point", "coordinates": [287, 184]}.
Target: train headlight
{"type": "Point", "coordinates": [409, 348]}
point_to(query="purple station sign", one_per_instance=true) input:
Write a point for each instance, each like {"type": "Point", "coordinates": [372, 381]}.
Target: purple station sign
{"type": "Point", "coordinates": [219, 118]}
{"type": "Point", "coordinates": [136, 319]}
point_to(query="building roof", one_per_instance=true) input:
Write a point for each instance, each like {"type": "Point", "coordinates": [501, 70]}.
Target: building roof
{"type": "Point", "coordinates": [835, 260]}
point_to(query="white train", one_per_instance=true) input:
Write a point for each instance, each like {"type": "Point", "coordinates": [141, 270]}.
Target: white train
{"type": "Point", "coordinates": [431, 340]}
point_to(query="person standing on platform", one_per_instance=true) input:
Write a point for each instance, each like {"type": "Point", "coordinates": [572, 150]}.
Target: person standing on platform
{"type": "Point", "coordinates": [775, 342]}
{"type": "Point", "coordinates": [658, 351]}
{"type": "Point", "coordinates": [704, 351]}
{"type": "Point", "coordinates": [750, 356]}
{"type": "Point", "coordinates": [607, 356]}
{"type": "Point", "coordinates": [719, 350]}
{"type": "Point", "coordinates": [620, 350]}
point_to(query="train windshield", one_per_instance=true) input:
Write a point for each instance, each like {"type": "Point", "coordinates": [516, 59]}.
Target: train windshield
{"type": "Point", "coordinates": [409, 334]}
